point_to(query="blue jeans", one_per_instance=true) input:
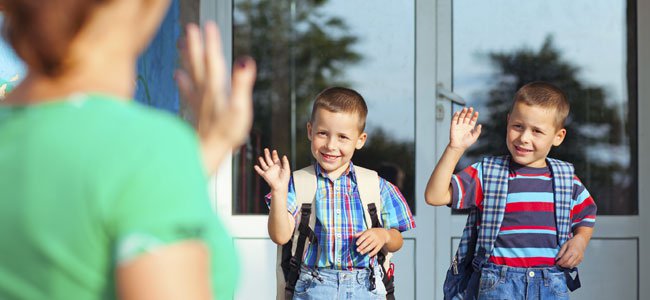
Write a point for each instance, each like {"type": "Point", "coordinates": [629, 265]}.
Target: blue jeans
{"type": "Point", "coordinates": [328, 284]}
{"type": "Point", "coordinates": [503, 282]}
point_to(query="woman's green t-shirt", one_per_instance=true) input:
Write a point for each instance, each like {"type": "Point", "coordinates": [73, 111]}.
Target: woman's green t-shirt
{"type": "Point", "coordinates": [92, 181]}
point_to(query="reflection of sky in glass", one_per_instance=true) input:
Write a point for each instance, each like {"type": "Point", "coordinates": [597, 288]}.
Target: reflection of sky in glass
{"type": "Point", "coordinates": [385, 75]}
{"type": "Point", "coordinates": [589, 33]}
{"type": "Point", "coordinates": [10, 65]}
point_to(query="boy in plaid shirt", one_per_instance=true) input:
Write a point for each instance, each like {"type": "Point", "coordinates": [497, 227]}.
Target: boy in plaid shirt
{"type": "Point", "coordinates": [347, 247]}
{"type": "Point", "coordinates": [528, 256]}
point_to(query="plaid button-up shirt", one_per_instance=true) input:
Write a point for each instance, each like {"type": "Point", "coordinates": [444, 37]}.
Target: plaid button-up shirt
{"type": "Point", "coordinates": [339, 215]}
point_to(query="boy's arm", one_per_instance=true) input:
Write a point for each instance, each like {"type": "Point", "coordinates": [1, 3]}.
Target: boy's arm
{"type": "Point", "coordinates": [281, 223]}
{"type": "Point", "coordinates": [438, 190]}
{"type": "Point", "coordinates": [573, 251]}
{"type": "Point", "coordinates": [463, 133]}
{"type": "Point", "coordinates": [277, 174]}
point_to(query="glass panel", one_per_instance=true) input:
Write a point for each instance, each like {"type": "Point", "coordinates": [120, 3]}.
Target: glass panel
{"type": "Point", "coordinates": [557, 41]}
{"type": "Point", "coordinates": [303, 47]}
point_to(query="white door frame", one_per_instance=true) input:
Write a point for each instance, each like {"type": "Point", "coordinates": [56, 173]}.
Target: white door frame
{"type": "Point", "coordinates": [643, 36]}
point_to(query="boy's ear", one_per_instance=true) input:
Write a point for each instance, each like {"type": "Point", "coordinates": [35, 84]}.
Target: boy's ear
{"type": "Point", "coordinates": [559, 137]}
{"type": "Point", "coordinates": [361, 140]}
{"type": "Point", "coordinates": [309, 130]}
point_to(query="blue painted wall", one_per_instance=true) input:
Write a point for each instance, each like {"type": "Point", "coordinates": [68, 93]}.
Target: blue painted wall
{"type": "Point", "coordinates": [156, 86]}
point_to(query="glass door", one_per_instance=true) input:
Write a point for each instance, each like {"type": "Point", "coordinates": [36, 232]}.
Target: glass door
{"type": "Point", "coordinates": [487, 50]}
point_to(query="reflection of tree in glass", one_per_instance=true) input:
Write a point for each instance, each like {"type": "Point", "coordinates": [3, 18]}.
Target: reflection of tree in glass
{"type": "Point", "coordinates": [298, 55]}
{"type": "Point", "coordinates": [597, 141]}
{"type": "Point", "coordinates": [379, 148]}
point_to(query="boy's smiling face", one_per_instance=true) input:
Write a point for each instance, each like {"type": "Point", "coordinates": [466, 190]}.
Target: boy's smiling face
{"type": "Point", "coordinates": [334, 137]}
{"type": "Point", "coordinates": [531, 133]}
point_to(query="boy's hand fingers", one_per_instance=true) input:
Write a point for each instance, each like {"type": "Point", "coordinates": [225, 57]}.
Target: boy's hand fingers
{"type": "Point", "coordinates": [454, 118]}
{"type": "Point", "coordinates": [285, 163]}
{"type": "Point", "coordinates": [360, 236]}
{"type": "Point", "coordinates": [258, 170]}
{"type": "Point", "coordinates": [474, 118]}
{"type": "Point", "coordinates": [365, 246]}
{"type": "Point", "coordinates": [561, 252]}
{"type": "Point", "coordinates": [375, 251]}
{"type": "Point", "coordinates": [263, 164]}
{"type": "Point", "coordinates": [461, 117]}
{"type": "Point", "coordinates": [267, 156]}
{"type": "Point", "coordinates": [469, 115]}
{"type": "Point", "coordinates": [275, 157]}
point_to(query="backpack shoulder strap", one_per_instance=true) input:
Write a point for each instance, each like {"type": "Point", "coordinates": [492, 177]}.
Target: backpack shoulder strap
{"type": "Point", "coordinates": [495, 193]}
{"type": "Point", "coordinates": [305, 182]}
{"type": "Point", "coordinates": [370, 194]}
{"type": "Point", "coordinates": [368, 186]}
{"type": "Point", "coordinates": [563, 192]}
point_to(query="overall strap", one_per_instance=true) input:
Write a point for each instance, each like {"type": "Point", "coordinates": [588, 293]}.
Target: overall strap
{"type": "Point", "coordinates": [495, 193]}
{"type": "Point", "coordinates": [563, 189]}
{"type": "Point", "coordinates": [305, 185]}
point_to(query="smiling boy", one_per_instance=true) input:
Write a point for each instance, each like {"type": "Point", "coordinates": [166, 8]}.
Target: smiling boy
{"type": "Point", "coordinates": [536, 217]}
{"type": "Point", "coordinates": [342, 264]}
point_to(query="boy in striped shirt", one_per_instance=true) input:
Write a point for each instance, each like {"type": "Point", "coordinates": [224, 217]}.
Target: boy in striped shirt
{"type": "Point", "coordinates": [339, 265]}
{"type": "Point", "coordinates": [527, 257]}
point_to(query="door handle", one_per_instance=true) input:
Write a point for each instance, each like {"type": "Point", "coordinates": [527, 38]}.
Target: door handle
{"type": "Point", "coordinates": [449, 95]}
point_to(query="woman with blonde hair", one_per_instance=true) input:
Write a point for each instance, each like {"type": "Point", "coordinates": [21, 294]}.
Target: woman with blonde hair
{"type": "Point", "coordinates": [101, 197]}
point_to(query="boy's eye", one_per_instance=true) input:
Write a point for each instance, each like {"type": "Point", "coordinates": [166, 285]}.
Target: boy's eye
{"type": "Point", "coordinates": [322, 133]}
{"type": "Point", "coordinates": [517, 126]}
{"type": "Point", "coordinates": [344, 137]}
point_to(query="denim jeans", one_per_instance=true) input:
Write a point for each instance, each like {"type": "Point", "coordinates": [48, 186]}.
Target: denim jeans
{"type": "Point", "coordinates": [328, 284]}
{"type": "Point", "coordinates": [503, 282]}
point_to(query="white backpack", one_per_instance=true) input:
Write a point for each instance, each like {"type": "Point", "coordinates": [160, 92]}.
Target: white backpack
{"type": "Point", "coordinates": [289, 261]}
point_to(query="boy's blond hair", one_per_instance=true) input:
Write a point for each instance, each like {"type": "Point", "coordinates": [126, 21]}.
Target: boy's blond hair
{"type": "Point", "coordinates": [546, 95]}
{"type": "Point", "coordinates": [340, 99]}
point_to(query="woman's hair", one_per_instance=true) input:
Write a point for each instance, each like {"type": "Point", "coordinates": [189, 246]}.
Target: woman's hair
{"type": "Point", "coordinates": [41, 30]}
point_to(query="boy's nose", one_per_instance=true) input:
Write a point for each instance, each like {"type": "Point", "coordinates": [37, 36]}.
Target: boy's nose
{"type": "Point", "coordinates": [331, 144]}
{"type": "Point", "coordinates": [525, 137]}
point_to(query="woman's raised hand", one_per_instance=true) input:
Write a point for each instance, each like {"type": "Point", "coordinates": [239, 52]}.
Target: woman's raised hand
{"type": "Point", "coordinates": [223, 119]}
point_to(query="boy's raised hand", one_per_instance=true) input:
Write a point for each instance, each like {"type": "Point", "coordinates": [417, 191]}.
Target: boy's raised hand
{"type": "Point", "coordinates": [464, 132]}
{"type": "Point", "coordinates": [275, 172]}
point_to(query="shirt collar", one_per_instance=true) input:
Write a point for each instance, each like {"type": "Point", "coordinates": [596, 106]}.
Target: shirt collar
{"type": "Point", "coordinates": [348, 172]}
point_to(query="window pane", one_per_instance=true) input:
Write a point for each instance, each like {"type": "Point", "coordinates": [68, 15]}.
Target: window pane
{"type": "Point", "coordinates": [303, 47]}
{"type": "Point", "coordinates": [557, 41]}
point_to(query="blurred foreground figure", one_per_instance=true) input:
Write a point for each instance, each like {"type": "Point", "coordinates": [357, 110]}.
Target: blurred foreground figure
{"type": "Point", "coordinates": [101, 197]}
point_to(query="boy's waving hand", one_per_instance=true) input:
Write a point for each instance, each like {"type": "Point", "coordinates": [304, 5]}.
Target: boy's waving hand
{"type": "Point", "coordinates": [463, 131]}
{"type": "Point", "coordinates": [275, 172]}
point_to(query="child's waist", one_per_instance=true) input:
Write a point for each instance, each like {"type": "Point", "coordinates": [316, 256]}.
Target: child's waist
{"type": "Point", "coordinates": [531, 272]}
{"type": "Point", "coordinates": [330, 274]}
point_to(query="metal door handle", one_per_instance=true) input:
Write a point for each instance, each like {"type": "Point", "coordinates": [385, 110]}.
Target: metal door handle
{"type": "Point", "coordinates": [449, 95]}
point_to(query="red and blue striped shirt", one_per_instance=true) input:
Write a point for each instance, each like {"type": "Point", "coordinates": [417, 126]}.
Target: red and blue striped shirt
{"type": "Point", "coordinates": [339, 215]}
{"type": "Point", "coordinates": [528, 234]}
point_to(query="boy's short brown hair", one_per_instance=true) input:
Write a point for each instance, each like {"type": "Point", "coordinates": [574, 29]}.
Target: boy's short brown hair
{"type": "Point", "coordinates": [546, 95]}
{"type": "Point", "coordinates": [340, 99]}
